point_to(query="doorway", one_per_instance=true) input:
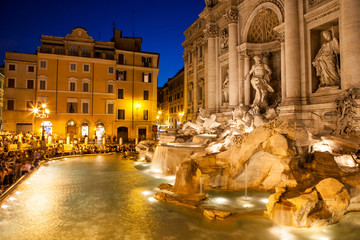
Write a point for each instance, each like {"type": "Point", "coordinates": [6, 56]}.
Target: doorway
{"type": "Point", "coordinates": [122, 132]}
{"type": "Point", "coordinates": [142, 134]}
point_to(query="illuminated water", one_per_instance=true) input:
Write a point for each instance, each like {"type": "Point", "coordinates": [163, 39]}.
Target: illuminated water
{"type": "Point", "coordinates": [105, 197]}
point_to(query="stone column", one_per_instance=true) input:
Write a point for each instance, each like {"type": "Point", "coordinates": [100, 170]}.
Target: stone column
{"type": "Point", "coordinates": [349, 43]}
{"type": "Point", "coordinates": [241, 79]}
{"type": "Point", "coordinates": [247, 84]}
{"type": "Point", "coordinates": [232, 17]}
{"type": "Point", "coordinates": [195, 79]}
{"type": "Point", "coordinates": [211, 33]}
{"type": "Point", "coordinates": [292, 51]}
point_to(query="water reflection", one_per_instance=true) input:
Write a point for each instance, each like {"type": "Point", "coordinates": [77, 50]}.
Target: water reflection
{"type": "Point", "coordinates": [105, 197]}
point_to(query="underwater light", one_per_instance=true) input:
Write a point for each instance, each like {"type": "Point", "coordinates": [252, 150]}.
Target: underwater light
{"type": "Point", "coordinates": [146, 193]}
{"type": "Point", "coordinates": [152, 199]}
{"type": "Point", "coordinates": [220, 200]}
{"type": "Point", "coordinates": [264, 200]}
{"type": "Point", "coordinates": [4, 206]}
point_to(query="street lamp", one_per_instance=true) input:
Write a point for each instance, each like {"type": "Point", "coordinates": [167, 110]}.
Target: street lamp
{"type": "Point", "coordinates": [42, 113]}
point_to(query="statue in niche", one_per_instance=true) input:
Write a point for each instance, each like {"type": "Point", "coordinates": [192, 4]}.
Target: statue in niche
{"type": "Point", "coordinates": [224, 39]}
{"type": "Point", "coordinates": [326, 61]}
{"type": "Point", "coordinates": [260, 80]}
{"type": "Point", "coordinates": [225, 88]}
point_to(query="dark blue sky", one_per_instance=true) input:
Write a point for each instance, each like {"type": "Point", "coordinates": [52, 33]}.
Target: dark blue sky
{"type": "Point", "coordinates": [160, 23]}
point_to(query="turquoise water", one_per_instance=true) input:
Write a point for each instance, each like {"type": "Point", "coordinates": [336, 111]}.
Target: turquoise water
{"type": "Point", "coordinates": [105, 197]}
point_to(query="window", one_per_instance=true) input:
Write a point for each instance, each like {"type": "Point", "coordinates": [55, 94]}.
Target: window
{"type": "Point", "coordinates": [121, 75]}
{"type": "Point", "coordinates": [72, 67]}
{"type": "Point", "coordinates": [146, 95]}
{"type": "Point", "coordinates": [11, 82]}
{"type": "Point", "coordinates": [147, 77]}
{"type": "Point", "coordinates": [71, 107]}
{"type": "Point", "coordinates": [121, 114]}
{"type": "Point", "coordinates": [110, 108]}
{"type": "Point", "coordinates": [85, 107]}
{"type": "Point", "coordinates": [31, 69]}
{"type": "Point", "coordinates": [73, 51]}
{"type": "Point", "coordinates": [86, 68]}
{"type": "Point", "coordinates": [72, 86]}
{"type": "Point", "coordinates": [85, 52]}
{"type": "Point", "coordinates": [42, 85]}
{"type": "Point", "coordinates": [110, 70]}
{"type": "Point", "coordinates": [30, 84]}
{"type": "Point", "coordinates": [10, 104]}
{"type": "Point", "coordinates": [146, 114]}
{"type": "Point", "coordinates": [110, 88]}
{"type": "Point", "coordinates": [43, 64]}
{"type": "Point", "coordinates": [121, 59]}
{"type": "Point", "coordinates": [11, 67]}
{"type": "Point", "coordinates": [146, 61]}
{"type": "Point", "coordinates": [85, 87]}
{"type": "Point", "coordinates": [29, 105]}
{"type": "Point", "coordinates": [120, 93]}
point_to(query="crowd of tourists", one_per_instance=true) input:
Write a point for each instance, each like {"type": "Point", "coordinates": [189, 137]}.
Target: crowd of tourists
{"type": "Point", "coordinates": [14, 163]}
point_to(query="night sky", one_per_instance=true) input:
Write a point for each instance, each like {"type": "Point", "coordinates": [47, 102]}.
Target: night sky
{"type": "Point", "coordinates": [160, 23]}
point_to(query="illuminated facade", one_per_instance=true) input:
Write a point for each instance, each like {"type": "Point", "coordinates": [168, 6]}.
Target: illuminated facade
{"type": "Point", "coordinates": [290, 37]}
{"type": "Point", "coordinates": [172, 107]}
{"type": "Point", "coordinates": [92, 88]}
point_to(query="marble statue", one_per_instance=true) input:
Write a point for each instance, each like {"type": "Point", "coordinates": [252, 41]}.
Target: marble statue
{"type": "Point", "coordinates": [203, 124]}
{"type": "Point", "coordinates": [224, 39]}
{"type": "Point", "coordinates": [242, 118]}
{"type": "Point", "coordinates": [225, 88]}
{"type": "Point", "coordinates": [326, 61]}
{"type": "Point", "coordinates": [260, 80]}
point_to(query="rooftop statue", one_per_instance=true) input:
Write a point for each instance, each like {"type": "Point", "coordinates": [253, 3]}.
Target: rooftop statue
{"type": "Point", "coordinates": [326, 61]}
{"type": "Point", "coordinates": [260, 80]}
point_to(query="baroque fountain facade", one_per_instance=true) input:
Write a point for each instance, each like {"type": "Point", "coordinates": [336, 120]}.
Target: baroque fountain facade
{"type": "Point", "coordinates": [279, 109]}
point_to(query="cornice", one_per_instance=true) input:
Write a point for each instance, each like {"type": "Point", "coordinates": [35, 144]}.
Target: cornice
{"type": "Point", "coordinates": [322, 11]}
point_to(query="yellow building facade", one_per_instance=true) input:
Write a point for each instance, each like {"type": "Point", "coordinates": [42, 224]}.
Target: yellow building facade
{"type": "Point", "coordinates": [91, 88]}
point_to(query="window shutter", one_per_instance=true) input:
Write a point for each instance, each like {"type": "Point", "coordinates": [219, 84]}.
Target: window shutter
{"type": "Point", "coordinates": [117, 74]}
{"type": "Point", "coordinates": [143, 77]}
{"type": "Point", "coordinates": [124, 75]}
{"type": "Point", "coordinates": [149, 77]}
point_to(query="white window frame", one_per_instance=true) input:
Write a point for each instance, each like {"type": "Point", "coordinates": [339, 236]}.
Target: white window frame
{"type": "Point", "coordinates": [27, 68]}
{"type": "Point", "coordinates": [85, 80]}
{"type": "Point", "coordinates": [42, 78]}
{"type": "Point", "coordinates": [71, 64]}
{"type": "Point", "coordinates": [7, 81]}
{"type": "Point", "coordinates": [12, 64]}
{"type": "Point", "coordinates": [8, 105]}
{"type": "Point", "coordinates": [46, 64]}
{"type": "Point", "coordinates": [72, 100]}
{"type": "Point", "coordinates": [27, 83]}
{"type": "Point", "coordinates": [72, 80]}
{"type": "Point", "coordinates": [107, 106]}
{"type": "Point", "coordinates": [85, 100]}
{"type": "Point", "coordinates": [86, 64]}
{"type": "Point", "coordinates": [113, 70]}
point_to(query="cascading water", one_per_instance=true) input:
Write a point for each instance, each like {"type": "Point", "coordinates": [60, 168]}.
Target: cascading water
{"type": "Point", "coordinates": [168, 156]}
{"type": "Point", "coordinates": [246, 180]}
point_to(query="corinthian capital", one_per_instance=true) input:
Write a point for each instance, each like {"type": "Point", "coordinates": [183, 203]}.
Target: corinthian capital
{"type": "Point", "coordinates": [232, 16]}
{"type": "Point", "coordinates": [212, 31]}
